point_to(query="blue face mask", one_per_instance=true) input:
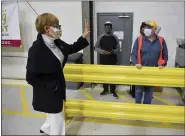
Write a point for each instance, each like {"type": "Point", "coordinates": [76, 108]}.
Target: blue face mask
{"type": "Point", "coordinates": [147, 32]}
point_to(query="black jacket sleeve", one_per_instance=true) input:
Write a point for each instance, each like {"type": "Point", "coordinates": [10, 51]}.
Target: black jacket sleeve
{"type": "Point", "coordinates": [80, 44]}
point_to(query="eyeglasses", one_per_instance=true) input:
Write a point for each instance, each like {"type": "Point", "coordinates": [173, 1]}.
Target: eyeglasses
{"type": "Point", "coordinates": [57, 26]}
{"type": "Point", "coordinates": [108, 26]}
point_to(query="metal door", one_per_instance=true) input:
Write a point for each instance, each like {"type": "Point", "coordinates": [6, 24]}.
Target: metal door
{"type": "Point", "coordinates": [122, 27]}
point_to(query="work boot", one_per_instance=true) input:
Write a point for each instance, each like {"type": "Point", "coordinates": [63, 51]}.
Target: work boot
{"type": "Point", "coordinates": [104, 93]}
{"type": "Point", "coordinates": [114, 94]}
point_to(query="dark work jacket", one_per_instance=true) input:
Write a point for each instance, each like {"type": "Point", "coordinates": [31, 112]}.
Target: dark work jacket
{"type": "Point", "coordinates": [45, 74]}
{"type": "Point", "coordinates": [150, 52]}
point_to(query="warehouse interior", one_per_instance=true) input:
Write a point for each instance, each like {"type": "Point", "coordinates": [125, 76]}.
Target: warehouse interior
{"type": "Point", "coordinates": [18, 115]}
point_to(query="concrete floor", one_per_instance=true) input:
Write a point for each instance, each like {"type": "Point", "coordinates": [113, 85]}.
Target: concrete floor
{"type": "Point", "coordinates": [16, 123]}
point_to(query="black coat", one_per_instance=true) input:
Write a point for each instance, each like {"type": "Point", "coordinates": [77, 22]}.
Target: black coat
{"type": "Point", "coordinates": [45, 74]}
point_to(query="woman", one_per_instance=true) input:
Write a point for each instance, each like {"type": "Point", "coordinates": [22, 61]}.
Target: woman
{"type": "Point", "coordinates": [46, 60]}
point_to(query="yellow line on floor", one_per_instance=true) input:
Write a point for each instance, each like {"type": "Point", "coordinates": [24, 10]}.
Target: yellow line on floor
{"type": "Point", "coordinates": [86, 94]}
{"type": "Point", "coordinates": [15, 84]}
{"type": "Point", "coordinates": [100, 90]}
{"type": "Point", "coordinates": [120, 94]}
{"type": "Point", "coordinates": [133, 123]}
{"type": "Point", "coordinates": [23, 100]}
{"type": "Point", "coordinates": [124, 98]}
{"type": "Point", "coordinates": [36, 115]}
{"type": "Point", "coordinates": [167, 93]}
{"type": "Point", "coordinates": [68, 120]}
{"type": "Point", "coordinates": [162, 100]}
{"type": "Point", "coordinates": [10, 112]}
{"type": "Point", "coordinates": [97, 120]}
{"type": "Point", "coordinates": [28, 114]}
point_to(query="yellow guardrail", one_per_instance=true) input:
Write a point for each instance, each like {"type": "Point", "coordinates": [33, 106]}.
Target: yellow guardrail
{"type": "Point", "coordinates": [169, 77]}
{"type": "Point", "coordinates": [115, 110]}
{"type": "Point", "coordinates": [152, 76]}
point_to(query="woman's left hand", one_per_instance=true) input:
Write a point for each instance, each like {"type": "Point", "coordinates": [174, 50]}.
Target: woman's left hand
{"type": "Point", "coordinates": [86, 29]}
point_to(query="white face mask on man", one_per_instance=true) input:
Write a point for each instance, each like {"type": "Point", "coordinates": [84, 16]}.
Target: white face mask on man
{"type": "Point", "coordinates": [147, 32]}
{"type": "Point", "coordinates": [57, 33]}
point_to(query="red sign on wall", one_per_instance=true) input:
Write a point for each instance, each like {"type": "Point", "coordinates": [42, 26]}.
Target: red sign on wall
{"type": "Point", "coordinates": [10, 25]}
{"type": "Point", "coordinates": [14, 43]}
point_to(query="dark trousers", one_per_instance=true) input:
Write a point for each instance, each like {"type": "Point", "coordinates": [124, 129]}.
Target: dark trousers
{"type": "Point", "coordinates": [112, 87]}
{"type": "Point", "coordinates": [108, 60]}
{"type": "Point", "coordinates": [132, 91]}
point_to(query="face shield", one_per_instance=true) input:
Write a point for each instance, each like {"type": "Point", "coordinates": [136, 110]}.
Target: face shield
{"type": "Point", "coordinates": [158, 30]}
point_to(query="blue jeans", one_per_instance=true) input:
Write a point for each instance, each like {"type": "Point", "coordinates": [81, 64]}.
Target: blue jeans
{"type": "Point", "coordinates": [148, 92]}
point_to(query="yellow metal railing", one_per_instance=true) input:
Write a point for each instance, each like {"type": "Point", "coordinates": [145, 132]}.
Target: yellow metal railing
{"type": "Point", "coordinates": [169, 77]}
{"type": "Point", "coordinates": [115, 110]}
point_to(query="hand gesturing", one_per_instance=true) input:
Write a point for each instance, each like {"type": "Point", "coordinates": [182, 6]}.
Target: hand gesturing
{"type": "Point", "coordinates": [86, 29]}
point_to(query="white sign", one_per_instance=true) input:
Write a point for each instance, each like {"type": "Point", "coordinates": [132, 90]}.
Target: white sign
{"type": "Point", "coordinates": [119, 34]}
{"type": "Point", "coordinates": [10, 25]}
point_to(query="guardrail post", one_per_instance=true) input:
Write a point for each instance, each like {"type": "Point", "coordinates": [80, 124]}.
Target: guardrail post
{"type": "Point", "coordinates": [67, 119]}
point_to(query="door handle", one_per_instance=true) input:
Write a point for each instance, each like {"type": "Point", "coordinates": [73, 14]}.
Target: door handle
{"type": "Point", "coordinates": [123, 16]}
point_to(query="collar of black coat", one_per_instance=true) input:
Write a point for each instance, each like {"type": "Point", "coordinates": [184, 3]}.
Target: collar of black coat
{"type": "Point", "coordinates": [41, 59]}
{"type": "Point", "coordinates": [41, 41]}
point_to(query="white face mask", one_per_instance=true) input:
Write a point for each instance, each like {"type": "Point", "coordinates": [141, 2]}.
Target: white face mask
{"type": "Point", "coordinates": [147, 32]}
{"type": "Point", "coordinates": [57, 33]}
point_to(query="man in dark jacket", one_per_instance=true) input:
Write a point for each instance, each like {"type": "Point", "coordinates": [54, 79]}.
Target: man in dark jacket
{"type": "Point", "coordinates": [132, 89]}
{"type": "Point", "coordinates": [107, 46]}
